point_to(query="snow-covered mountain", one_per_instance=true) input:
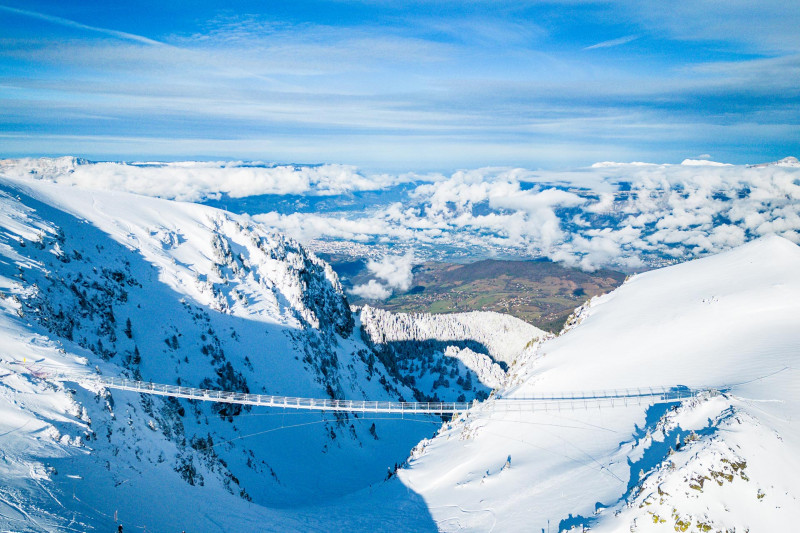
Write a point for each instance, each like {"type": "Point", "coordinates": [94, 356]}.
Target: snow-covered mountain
{"type": "Point", "coordinates": [119, 284]}
{"type": "Point", "coordinates": [717, 463]}
{"type": "Point", "coordinates": [442, 351]}
{"type": "Point", "coordinates": [178, 293]}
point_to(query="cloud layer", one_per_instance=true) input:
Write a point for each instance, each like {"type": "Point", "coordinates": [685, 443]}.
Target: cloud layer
{"type": "Point", "coordinates": [196, 181]}
{"type": "Point", "coordinates": [627, 216]}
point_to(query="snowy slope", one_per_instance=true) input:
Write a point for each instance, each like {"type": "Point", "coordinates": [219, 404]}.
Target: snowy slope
{"type": "Point", "coordinates": [180, 293]}
{"type": "Point", "coordinates": [728, 321]}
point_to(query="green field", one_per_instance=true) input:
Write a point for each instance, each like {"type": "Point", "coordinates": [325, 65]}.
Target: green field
{"type": "Point", "coordinates": [542, 293]}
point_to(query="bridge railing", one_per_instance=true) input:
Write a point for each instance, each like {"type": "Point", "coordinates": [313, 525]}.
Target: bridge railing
{"type": "Point", "coordinates": [544, 402]}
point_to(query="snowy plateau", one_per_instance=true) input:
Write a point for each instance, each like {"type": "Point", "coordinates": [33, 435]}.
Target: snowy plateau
{"type": "Point", "coordinates": [98, 282]}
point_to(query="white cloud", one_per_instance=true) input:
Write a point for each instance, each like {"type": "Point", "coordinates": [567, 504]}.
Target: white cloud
{"type": "Point", "coordinates": [77, 25]}
{"type": "Point", "coordinates": [613, 42]}
{"type": "Point", "coordinates": [196, 181]}
{"type": "Point", "coordinates": [604, 204]}
{"type": "Point", "coordinates": [396, 271]}
{"type": "Point", "coordinates": [702, 162]}
{"type": "Point", "coordinates": [372, 290]}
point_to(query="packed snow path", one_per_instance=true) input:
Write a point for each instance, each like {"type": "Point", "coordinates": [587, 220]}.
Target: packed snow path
{"type": "Point", "coordinates": [578, 400]}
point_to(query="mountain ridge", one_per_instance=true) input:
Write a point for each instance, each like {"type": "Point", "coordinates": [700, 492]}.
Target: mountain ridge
{"type": "Point", "coordinates": [183, 294]}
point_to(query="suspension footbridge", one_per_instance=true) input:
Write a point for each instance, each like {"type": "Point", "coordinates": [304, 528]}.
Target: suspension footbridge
{"type": "Point", "coordinates": [551, 402]}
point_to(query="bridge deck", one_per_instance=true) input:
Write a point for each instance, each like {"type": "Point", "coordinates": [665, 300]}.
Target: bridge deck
{"type": "Point", "coordinates": [579, 400]}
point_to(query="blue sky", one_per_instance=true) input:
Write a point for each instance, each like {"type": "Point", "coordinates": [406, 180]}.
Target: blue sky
{"type": "Point", "coordinates": [396, 86]}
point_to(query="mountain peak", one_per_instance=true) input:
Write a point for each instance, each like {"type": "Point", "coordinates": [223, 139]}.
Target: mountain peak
{"type": "Point", "coordinates": [790, 162]}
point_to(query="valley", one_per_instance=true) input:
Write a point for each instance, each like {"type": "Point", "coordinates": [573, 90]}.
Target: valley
{"type": "Point", "coordinates": [541, 293]}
